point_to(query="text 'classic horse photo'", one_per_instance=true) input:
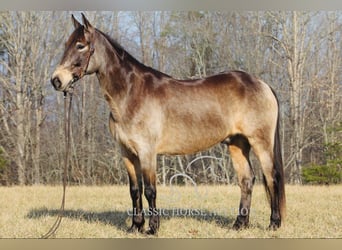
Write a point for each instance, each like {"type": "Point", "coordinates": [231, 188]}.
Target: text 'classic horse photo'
{"type": "Point", "coordinates": [152, 113]}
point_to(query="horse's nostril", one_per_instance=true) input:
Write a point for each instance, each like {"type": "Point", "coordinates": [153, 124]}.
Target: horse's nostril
{"type": "Point", "coordinates": [56, 82]}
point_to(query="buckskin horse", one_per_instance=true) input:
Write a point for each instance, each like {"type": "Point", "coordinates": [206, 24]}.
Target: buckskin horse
{"type": "Point", "coordinates": [152, 113]}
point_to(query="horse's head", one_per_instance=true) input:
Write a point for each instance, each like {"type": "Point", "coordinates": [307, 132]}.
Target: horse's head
{"type": "Point", "coordinates": [76, 60]}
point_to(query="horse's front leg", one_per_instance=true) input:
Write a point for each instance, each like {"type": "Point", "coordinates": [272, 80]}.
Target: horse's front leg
{"type": "Point", "coordinates": [149, 175]}
{"type": "Point", "coordinates": [135, 185]}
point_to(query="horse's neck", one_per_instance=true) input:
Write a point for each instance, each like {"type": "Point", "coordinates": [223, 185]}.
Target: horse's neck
{"type": "Point", "coordinates": [115, 81]}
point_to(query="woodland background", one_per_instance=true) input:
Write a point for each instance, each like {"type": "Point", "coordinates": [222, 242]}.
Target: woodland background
{"type": "Point", "coordinates": [297, 53]}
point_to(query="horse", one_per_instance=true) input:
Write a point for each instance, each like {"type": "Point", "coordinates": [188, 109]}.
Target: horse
{"type": "Point", "coordinates": [153, 113]}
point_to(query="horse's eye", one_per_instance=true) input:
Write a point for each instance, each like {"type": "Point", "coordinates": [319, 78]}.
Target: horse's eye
{"type": "Point", "coordinates": [80, 46]}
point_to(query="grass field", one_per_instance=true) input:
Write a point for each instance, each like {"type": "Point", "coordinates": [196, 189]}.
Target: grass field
{"type": "Point", "coordinates": [187, 212]}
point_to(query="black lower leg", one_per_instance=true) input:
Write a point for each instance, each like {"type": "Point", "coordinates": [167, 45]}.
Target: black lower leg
{"type": "Point", "coordinates": [138, 216]}
{"type": "Point", "coordinates": [150, 194]}
{"type": "Point", "coordinates": [242, 220]}
{"type": "Point", "coordinates": [275, 220]}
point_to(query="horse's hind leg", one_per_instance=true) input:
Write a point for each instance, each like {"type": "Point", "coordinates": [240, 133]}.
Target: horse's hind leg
{"type": "Point", "coordinates": [239, 148]}
{"type": "Point", "coordinates": [272, 181]}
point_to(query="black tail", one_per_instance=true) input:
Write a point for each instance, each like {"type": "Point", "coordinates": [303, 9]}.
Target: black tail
{"type": "Point", "coordinates": [278, 174]}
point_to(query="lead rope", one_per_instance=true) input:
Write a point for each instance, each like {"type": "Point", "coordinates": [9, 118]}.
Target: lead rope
{"type": "Point", "coordinates": [67, 111]}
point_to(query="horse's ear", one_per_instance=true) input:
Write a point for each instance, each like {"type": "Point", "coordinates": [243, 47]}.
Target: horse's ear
{"type": "Point", "coordinates": [86, 23]}
{"type": "Point", "coordinates": [75, 22]}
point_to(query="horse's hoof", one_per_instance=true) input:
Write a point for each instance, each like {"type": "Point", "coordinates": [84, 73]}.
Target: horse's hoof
{"type": "Point", "coordinates": [135, 229]}
{"type": "Point", "coordinates": [240, 223]}
{"type": "Point", "coordinates": [274, 225]}
{"type": "Point", "coordinates": [151, 231]}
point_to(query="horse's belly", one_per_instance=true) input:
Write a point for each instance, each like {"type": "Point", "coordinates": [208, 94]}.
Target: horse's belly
{"type": "Point", "coordinates": [192, 139]}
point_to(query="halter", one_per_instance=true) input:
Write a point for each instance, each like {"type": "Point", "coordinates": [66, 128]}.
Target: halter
{"type": "Point", "coordinates": [81, 72]}
{"type": "Point", "coordinates": [91, 52]}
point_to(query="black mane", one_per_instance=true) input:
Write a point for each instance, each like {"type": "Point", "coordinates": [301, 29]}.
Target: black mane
{"type": "Point", "coordinates": [124, 54]}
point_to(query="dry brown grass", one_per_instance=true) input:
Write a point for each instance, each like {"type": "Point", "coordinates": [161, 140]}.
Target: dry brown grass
{"type": "Point", "coordinates": [205, 212]}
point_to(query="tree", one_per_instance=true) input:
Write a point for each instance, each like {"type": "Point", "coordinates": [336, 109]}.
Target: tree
{"type": "Point", "coordinates": [25, 73]}
{"type": "Point", "coordinates": [297, 53]}
{"type": "Point", "coordinates": [294, 47]}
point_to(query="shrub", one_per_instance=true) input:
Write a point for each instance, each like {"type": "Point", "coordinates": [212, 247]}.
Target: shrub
{"type": "Point", "coordinates": [322, 174]}
{"type": "Point", "coordinates": [329, 173]}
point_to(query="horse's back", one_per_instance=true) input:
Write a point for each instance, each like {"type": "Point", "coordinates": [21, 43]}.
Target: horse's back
{"type": "Point", "coordinates": [200, 113]}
